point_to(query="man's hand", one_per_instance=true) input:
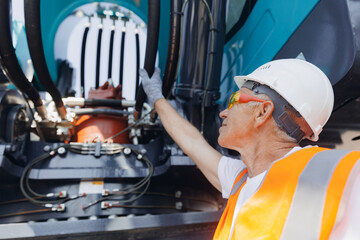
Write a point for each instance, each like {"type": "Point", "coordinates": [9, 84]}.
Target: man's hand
{"type": "Point", "coordinates": [152, 86]}
{"type": "Point", "coordinates": [181, 131]}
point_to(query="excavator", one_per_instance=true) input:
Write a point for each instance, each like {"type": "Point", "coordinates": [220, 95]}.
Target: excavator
{"type": "Point", "coordinates": [82, 153]}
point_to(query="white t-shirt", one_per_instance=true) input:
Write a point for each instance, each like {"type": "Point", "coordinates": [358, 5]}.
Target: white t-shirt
{"type": "Point", "coordinates": [230, 168]}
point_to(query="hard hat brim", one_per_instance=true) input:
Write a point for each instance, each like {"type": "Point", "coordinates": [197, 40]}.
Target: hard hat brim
{"type": "Point", "coordinates": [240, 80]}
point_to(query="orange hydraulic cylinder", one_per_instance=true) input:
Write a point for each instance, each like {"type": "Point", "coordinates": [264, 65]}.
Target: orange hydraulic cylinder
{"type": "Point", "coordinates": [95, 128]}
{"type": "Point", "coordinates": [99, 127]}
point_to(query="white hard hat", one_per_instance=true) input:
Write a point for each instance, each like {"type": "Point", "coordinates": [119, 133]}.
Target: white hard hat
{"type": "Point", "coordinates": [301, 84]}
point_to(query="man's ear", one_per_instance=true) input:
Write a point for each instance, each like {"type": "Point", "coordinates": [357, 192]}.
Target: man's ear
{"type": "Point", "coordinates": [263, 113]}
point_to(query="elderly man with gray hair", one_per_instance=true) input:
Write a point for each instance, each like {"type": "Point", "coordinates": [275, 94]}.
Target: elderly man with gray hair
{"type": "Point", "coordinates": [278, 190]}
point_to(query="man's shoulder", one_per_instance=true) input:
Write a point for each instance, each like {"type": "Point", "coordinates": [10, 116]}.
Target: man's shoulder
{"type": "Point", "coordinates": [324, 148]}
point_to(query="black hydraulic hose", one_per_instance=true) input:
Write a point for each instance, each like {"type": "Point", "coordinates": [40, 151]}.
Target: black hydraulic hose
{"type": "Point", "coordinates": [98, 53]}
{"type": "Point", "coordinates": [172, 59]}
{"type": "Point", "coordinates": [214, 60]}
{"type": "Point", "coordinates": [82, 64]}
{"type": "Point", "coordinates": [10, 64]}
{"type": "Point", "coordinates": [103, 111]}
{"type": "Point", "coordinates": [122, 51]}
{"type": "Point", "coordinates": [111, 51]}
{"type": "Point", "coordinates": [143, 183]}
{"type": "Point", "coordinates": [81, 102]}
{"type": "Point", "coordinates": [217, 39]}
{"type": "Point", "coordinates": [151, 49]}
{"type": "Point", "coordinates": [24, 180]}
{"type": "Point", "coordinates": [137, 44]}
{"type": "Point", "coordinates": [34, 39]}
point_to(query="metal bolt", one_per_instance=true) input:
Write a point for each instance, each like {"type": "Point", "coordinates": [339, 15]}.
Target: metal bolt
{"type": "Point", "coordinates": [178, 194]}
{"type": "Point", "coordinates": [180, 152]}
{"type": "Point", "coordinates": [47, 148]}
{"type": "Point", "coordinates": [61, 150]}
{"type": "Point", "coordinates": [139, 156]}
{"type": "Point", "coordinates": [127, 151]}
{"type": "Point", "coordinates": [143, 151]}
{"type": "Point", "coordinates": [178, 205]}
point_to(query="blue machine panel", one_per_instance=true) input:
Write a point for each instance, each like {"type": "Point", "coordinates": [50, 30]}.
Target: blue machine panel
{"type": "Point", "coordinates": [268, 27]}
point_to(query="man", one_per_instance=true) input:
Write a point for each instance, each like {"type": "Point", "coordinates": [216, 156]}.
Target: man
{"type": "Point", "coordinates": [278, 189]}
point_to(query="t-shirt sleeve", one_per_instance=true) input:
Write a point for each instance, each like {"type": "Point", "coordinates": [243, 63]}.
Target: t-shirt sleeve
{"type": "Point", "coordinates": [228, 170]}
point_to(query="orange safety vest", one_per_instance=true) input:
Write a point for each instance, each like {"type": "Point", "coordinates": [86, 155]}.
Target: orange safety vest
{"type": "Point", "coordinates": [299, 197]}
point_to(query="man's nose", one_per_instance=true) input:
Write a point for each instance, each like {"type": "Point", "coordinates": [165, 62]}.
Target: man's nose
{"type": "Point", "coordinates": [224, 113]}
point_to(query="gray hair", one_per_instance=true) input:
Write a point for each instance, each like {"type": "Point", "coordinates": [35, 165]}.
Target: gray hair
{"type": "Point", "coordinates": [280, 132]}
{"type": "Point", "coordinates": [281, 111]}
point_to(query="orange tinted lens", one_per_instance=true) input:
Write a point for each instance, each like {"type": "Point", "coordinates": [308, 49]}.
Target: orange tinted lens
{"type": "Point", "coordinates": [237, 97]}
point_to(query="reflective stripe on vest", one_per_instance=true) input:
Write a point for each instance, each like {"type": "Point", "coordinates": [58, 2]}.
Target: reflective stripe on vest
{"type": "Point", "coordinates": [239, 183]}
{"type": "Point", "coordinates": [224, 225]}
{"type": "Point", "coordinates": [339, 188]}
{"type": "Point", "coordinates": [298, 199]}
{"type": "Point", "coordinates": [311, 188]}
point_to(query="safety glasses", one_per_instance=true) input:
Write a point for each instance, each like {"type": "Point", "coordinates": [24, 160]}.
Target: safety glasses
{"type": "Point", "coordinates": [238, 97]}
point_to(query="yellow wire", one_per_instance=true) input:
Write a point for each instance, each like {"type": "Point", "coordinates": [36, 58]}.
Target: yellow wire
{"type": "Point", "coordinates": [17, 200]}
{"type": "Point", "coordinates": [25, 212]}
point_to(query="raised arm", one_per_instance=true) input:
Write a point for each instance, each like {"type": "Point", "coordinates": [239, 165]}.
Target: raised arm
{"type": "Point", "coordinates": [181, 131]}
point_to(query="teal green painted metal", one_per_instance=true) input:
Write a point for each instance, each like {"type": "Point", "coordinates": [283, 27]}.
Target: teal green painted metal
{"type": "Point", "coordinates": [20, 45]}
{"type": "Point", "coordinates": [267, 29]}
{"type": "Point", "coordinates": [54, 12]}
{"type": "Point", "coordinates": [164, 32]}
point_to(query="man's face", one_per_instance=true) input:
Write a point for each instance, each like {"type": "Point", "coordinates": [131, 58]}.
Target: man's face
{"type": "Point", "coordinates": [238, 123]}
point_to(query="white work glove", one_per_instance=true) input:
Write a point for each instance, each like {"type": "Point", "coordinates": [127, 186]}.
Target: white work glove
{"type": "Point", "coordinates": [152, 86]}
